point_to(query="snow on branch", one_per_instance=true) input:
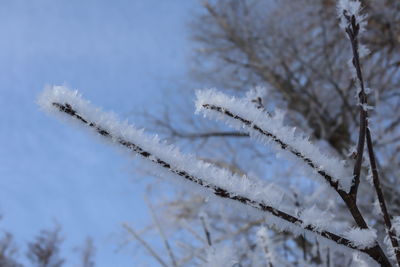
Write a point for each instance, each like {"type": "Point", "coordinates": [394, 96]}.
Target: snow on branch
{"type": "Point", "coordinates": [362, 238]}
{"type": "Point", "coordinates": [61, 100]}
{"type": "Point", "coordinates": [350, 8]}
{"type": "Point", "coordinates": [168, 161]}
{"type": "Point", "coordinates": [243, 115]}
{"type": "Point", "coordinates": [353, 23]}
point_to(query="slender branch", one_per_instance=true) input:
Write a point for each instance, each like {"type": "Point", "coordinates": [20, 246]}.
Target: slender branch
{"type": "Point", "coordinates": [166, 243]}
{"type": "Point", "coordinates": [386, 217]}
{"type": "Point", "coordinates": [206, 230]}
{"type": "Point", "coordinates": [209, 134]}
{"type": "Point", "coordinates": [145, 245]}
{"type": "Point", "coordinates": [352, 31]}
{"type": "Point", "coordinates": [193, 232]}
{"type": "Point", "coordinates": [221, 192]}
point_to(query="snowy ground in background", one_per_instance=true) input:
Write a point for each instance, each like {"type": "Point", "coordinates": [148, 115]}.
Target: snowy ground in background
{"type": "Point", "coordinates": [120, 55]}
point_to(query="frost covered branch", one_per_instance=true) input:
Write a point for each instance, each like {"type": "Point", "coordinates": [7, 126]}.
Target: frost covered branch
{"type": "Point", "coordinates": [242, 114]}
{"type": "Point", "coordinates": [216, 190]}
{"type": "Point", "coordinates": [353, 23]}
{"type": "Point", "coordinates": [206, 229]}
{"type": "Point", "coordinates": [168, 159]}
{"type": "Point", "coordinates": [349, 12]}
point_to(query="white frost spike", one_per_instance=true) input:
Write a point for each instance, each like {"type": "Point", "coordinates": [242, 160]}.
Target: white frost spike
{"type": "Point", "coordinates": [376, 207]}
{"type": "Point", "coordinates": [389, 248]}
{"type": "Point", "coordinates": [366, 107]}
{"type": "Point", "coordinates": [361, 238]}
{"type": "Point", "coordinates": [255, 92]}
{"type": "Point", "coordinates": [363, 50]}
{"type": "Point", "coordinates": [367, 90]}
{"type": "Point", "coordinates": [396, 225]}
{"type": "Point", "coordinates": [360, 261]}
{"type": "Point", "coordinates": [273, 125]}
{"type": "Point", "coordinates": [350, 8]}
{"type": "Point", "coordinates": [316, 218]}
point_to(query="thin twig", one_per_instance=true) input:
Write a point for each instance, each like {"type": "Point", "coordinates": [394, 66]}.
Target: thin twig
{"type": "Point", "coordinates": [166, 243]}
{"type": "Point", "coordinates": [206, 230]}
{"type": "Point", "coordinates": [193, 232]}
{"type": "Point", "coordinates": [352, 31]}
{"type": "Point", "coordinates": [144, 244]}
{"type": "Point", "coordinates": [385, 213]}
{"type": "Point", "coordinates": [209, 134]}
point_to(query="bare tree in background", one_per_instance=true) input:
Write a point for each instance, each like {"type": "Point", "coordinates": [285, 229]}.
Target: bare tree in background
{"type": "Point", "coordinates": [45, 250]}
{"type": "Point", "coordinates": [8, 251]}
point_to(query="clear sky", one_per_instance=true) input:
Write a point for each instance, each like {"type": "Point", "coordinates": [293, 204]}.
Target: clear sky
{"type": "Point", "coordinates": [120, 54]}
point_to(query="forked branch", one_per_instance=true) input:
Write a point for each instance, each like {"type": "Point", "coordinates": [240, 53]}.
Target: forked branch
{"type": "Point", "coordinates": [352, 30]}
{"type": "Point", "coordinates": [217, 190]}
{"type": "Point", "coordinates": [348, 198]}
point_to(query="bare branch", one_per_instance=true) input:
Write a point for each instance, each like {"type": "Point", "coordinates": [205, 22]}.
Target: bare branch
{"type": "Point", "coordinates": [209, 134]}
{"type": "Point", "coordinates": [45, 249]}
{"type": "Point", "coordinates": [352, 31]}
{"type": "Point", "coordinates": [166, 243]}
{"type": "Point", "coordinates": [145, 245]}
{"type": "Point", "coordinates": [206, 230]}
{"type": "Point", "coordinates": [382, 204]}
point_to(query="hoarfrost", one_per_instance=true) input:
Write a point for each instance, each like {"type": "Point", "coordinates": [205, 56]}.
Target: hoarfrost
{"type": "Point", "coordinates": [243, 115]}
{"type": "Point", "coordinates": [350, 8]}
{"type": "Point", "coordinates": [319, 220]}
{"type": "Point", "coordinates": [362, 238]}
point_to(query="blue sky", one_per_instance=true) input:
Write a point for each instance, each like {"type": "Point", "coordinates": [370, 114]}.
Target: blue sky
{"type": "Point", "coordinates": [122, 55]}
